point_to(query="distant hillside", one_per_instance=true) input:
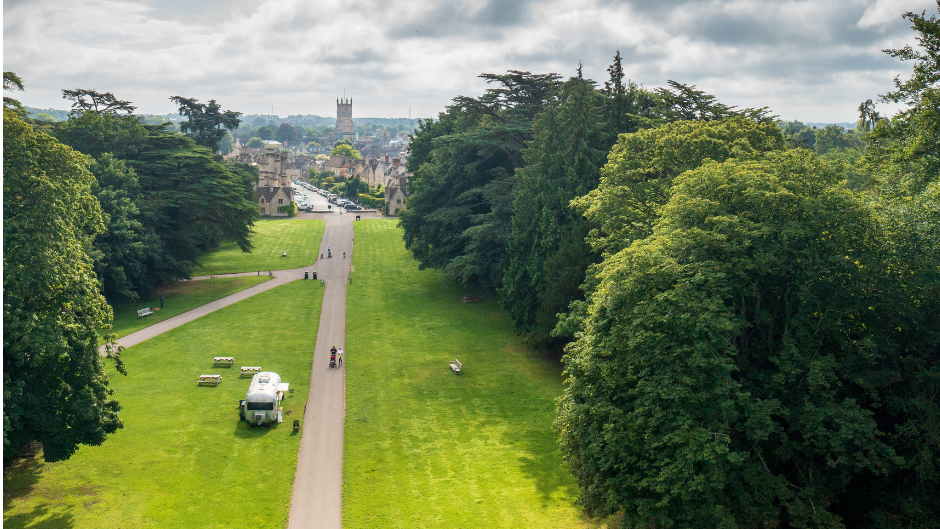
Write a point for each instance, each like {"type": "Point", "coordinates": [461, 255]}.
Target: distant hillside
{"type": "Point", "coordinates": [847, 126]}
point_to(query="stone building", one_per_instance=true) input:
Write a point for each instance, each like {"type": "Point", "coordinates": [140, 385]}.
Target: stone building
{"type": "Point", "coordinates": [274, 180]}
{"type": "Point", "coordinates": [344, 122]}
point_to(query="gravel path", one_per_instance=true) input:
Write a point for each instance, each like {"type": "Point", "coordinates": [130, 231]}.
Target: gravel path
{"type": "Point", "coordinates": [318, 483]}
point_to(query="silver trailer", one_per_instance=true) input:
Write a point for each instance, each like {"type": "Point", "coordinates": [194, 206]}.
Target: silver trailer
{"type": "Point", "coordinates": [263, 400]}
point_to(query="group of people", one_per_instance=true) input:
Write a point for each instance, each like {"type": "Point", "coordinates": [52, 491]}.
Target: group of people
{"type": "Point", "coordinates": [334, 354]}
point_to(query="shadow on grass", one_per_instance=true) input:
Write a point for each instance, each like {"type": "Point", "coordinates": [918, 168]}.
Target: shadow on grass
{"type": "Point", "coordinates": [19, 480]}
{"type": "Point", "coordinates": [246, 430]}
{"type": "Point", "coordinates": [32, 519]}
{"type": "Point", "coordinates": [22, 475]}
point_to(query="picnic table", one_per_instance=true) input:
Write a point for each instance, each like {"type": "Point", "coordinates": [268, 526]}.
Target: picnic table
{"type": "Point", "coordinates": [214, 380]}
{"type": "Point", "coordinates": [471, 299]}
{"type": "Point", "coordinates": [223, 361]}
{"type": "Point", "coordinates": [247, 370]}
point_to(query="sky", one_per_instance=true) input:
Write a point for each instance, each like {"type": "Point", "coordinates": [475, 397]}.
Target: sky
{"type": "Point", "coordinates": [812, 60]}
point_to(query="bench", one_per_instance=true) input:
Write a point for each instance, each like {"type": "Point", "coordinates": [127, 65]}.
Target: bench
{"type": "Point", "coordinates": [214, 380]}
{"type": "Point", "coordinates": [146, 311]}
{"type": "Point", "coordinates": [223, 361]}
{"type": "Point", "coordinates": [471, 299]}
{"type": "Point", "coordinates": [456, 366]}
{"type": "Point", "coordinates": [247, 370]}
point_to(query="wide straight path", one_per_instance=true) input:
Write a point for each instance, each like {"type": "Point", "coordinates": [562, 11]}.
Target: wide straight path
{"type": "Point", "coordinates": [318, 483]}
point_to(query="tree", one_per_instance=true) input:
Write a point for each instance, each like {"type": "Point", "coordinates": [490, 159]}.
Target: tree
{"type": "Point", "coordinates": [548, 256]}
{"type": "Point", "coordinates": [760, 359]}
{"type": "Point", "coordinates": [256, 143]}
{"type": "Point", "coordinates": [905, 150]}
{"type": "Point", "coordinates": [682, 102]}
{"type": "Point", "coordinates": [641, 167]}
{"type": "Point", "coordinates": [205, 122]}
{"type": "Point", "coordinates": [265, 133]}
{"type": "Point", "coordinates": [55, 389]}
{"type": "Point", "coordinates": [191, 201]}
{"type": "Point", "coordinates": [98, 102]}
{"type": "Point", "coordinates": [125, 252]}
{"type": "Point", "coordinates": [286, 133]}
{"type": "Point", "coordinates": [460, 209]}
{"type": "Point", "coordinates": [227, 144]}
{"type": "Point", "coordinates": [354, 186]}
{"type": "Point", "coordinates": [347, 150]}
{"type": "Point", "coordinates": [12, 82]}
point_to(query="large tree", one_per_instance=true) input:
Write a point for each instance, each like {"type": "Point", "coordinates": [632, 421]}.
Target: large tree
{"type": "Point", "coordinates": [187, 199]}
{"type": "Point", "coordinates": [84, 100]}
{"type": "Point", "coordinates": [904, 150]}
{"type": "Point", "coordinates": [547, 252]}
{"type": "Point", "coordinates": [207, 124]}
{"type": "Point", "coordinates": [286, 133]}
{"type": "Point", "coordinates": [54, 387]}
{"type": "Point", "coordinates": [637, 180]}
{"type": "Point", "coordinates": [766, 357]}
{"type": "Point", "coordinates": [460, 208]}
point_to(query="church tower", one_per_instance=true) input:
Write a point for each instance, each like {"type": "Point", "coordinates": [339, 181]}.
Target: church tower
{"type": "Point", "coordinates": [344, 122]}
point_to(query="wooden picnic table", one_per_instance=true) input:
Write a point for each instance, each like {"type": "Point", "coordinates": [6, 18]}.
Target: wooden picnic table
{"type": "Point", "coordinates": [210, 379]}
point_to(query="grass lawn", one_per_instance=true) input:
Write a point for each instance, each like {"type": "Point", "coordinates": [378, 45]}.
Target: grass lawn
{"type": "Point", "coordinates": [184, 459]}
{"type": "Point", "coordinates": [180, 297]}
{"type": "Point", "coordinates": [300, 238]}
{"type": "Point", "coordinates": [427, 448]}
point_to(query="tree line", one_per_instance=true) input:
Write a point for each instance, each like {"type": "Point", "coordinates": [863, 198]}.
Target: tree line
{"type": "Point", "coordinates": [750, 321]}
{"type": "Point", "coordinates": [100, 208]}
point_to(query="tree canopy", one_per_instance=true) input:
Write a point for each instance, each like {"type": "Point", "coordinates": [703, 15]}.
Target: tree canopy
{"type": "Point", "coordinates": [734, 366]}
{"type": "Point", "coordinates": [347, 150]}
{"type": "Point", "coordinates": [205, 122]}
{"type": "Point", "coordinates": [84, 100]}
{"type": "Point", "coordinates": [55, 389]}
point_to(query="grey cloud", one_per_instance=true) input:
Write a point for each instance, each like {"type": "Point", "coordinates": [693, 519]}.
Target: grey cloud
{"type": "Point", "coordinates": [448, 20]}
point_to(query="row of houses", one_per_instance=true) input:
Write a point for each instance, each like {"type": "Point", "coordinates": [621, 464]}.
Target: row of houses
{"type": "Point", "coordinates": [278, 168]}
{"type": "Point", "coordinates": [387, 170]}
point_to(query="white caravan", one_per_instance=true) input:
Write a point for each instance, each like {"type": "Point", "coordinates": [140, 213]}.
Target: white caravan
{"type": "Point", "coordinates": [263, 400]}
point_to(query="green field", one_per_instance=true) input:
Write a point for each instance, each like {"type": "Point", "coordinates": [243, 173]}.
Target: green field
{"type": "Point", "coordinates": [183, 458]}
{"type": "Point", "coordinates": [300, 238]}
{"type": "Point", "coordinates": [425, 447]}
{"type": "Point", "coordinates": [179, 297]}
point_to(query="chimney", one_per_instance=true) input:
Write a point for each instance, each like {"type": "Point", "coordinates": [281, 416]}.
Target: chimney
{"type": "Point", "coordinates": [386, 158]}
{"type": "Point", "coordinates": [396, 161]}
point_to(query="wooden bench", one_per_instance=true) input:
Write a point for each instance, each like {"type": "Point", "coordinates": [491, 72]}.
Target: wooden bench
{"type": "Point", "coordinates": [223, 361]}
{"type": "Point", "coordinates": [456, 366]}
{"type": "Point", "coordinates": [146, 311]}
{"type": "Point", "coordinates": [247, 370]}
{"type": "Point", "coordinates": [471, 299]}
{"type": "Point", "coordinates": [214, 380]}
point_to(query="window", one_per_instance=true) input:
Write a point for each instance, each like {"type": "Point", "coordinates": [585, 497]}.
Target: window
{"type": "Point", "coordinates": [260, 406]}
{"type": "Point", "coordinates": [280, 201]}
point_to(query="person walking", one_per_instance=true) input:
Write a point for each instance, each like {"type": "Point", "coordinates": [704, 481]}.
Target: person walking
{"type": "Point", "coordinates": [340, 356]}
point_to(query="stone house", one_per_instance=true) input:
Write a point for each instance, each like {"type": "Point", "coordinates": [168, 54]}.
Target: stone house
{"type": "Point", "coordinates": [271, 198]}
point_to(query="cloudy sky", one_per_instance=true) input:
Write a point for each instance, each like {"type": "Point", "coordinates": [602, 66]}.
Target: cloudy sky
{"type": "Point", "coordinates": [813, 60]}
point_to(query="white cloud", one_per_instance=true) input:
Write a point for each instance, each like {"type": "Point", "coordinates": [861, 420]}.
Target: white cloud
{"type": "Point", "coordinates": [883, 12]}
{"type": "Point", "coordinates": [804, 58]}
